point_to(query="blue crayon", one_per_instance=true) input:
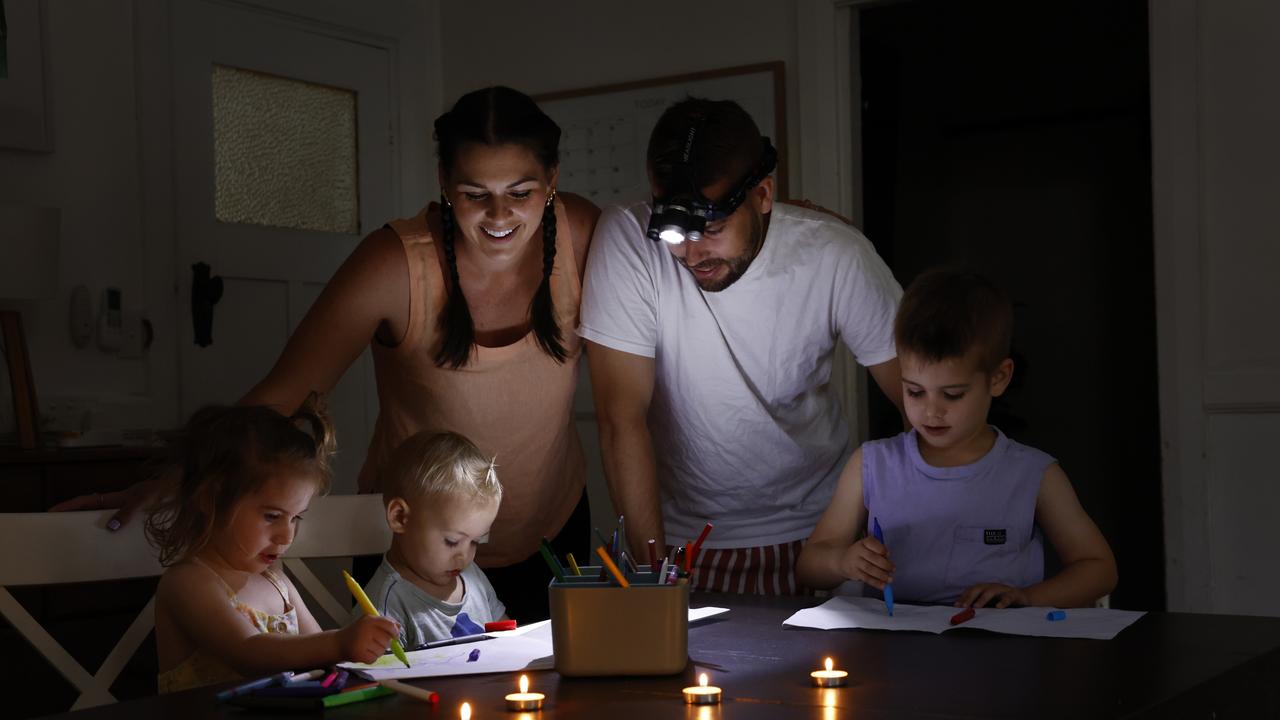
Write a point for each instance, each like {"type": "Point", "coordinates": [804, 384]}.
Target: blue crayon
{"type": "Point", "coordinates": [888, 588]}
{"type": "Point", "coordinates": [474, 656]}
{"type": "Point", "coordinates": [1054, 615]}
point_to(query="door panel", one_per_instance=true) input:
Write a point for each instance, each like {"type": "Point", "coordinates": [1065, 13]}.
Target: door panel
{"type": "Point", "coordinates": [271, 275]}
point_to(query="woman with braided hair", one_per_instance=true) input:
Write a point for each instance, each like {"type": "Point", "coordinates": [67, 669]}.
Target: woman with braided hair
{"type": "Point", "coordinates": [470, 308]}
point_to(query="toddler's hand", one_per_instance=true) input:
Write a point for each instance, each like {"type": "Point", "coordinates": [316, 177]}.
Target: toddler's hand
{"type": "Point", "coordinates": [982, 593]}
{"type": "Point", "coordinates": [368, 638]}
{"type": "Point", "coordinates": [868, 561]}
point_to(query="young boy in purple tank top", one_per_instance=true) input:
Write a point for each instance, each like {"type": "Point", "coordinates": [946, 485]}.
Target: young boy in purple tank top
{"type": "Point", "coordinates": [962, 507]}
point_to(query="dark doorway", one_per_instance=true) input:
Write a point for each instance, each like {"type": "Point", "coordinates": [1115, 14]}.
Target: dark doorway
{"type": "Point", "coordinates": [1014, 138]}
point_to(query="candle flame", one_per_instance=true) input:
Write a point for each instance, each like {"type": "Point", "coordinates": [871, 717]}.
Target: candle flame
{"type": "Point", "coordinates": [702, 679]}
{"type": "Point", "coordinates": [464, 712]}
{"type": "Point", "coordinates": [524, 684]}
{"type": "Point", "coordinates": [829, 664]}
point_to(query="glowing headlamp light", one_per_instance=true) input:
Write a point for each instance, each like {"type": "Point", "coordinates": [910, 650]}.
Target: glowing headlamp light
{"type": "Point", "coordinates": [684, 214]}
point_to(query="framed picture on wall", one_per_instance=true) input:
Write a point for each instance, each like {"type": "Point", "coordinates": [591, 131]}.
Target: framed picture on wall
{"type": "Point", "coordinates": [605, 129]}
{"type": "Point", "coordinates": [24, 121]}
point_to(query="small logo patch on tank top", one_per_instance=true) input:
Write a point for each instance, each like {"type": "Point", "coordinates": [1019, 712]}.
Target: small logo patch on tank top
{"type": "Point", "coordinates": [994, 537]}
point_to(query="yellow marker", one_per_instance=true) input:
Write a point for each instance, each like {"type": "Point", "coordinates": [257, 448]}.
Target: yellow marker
{"type": "Point", "coordinates": [608, 563]}
{"type": "Point", "coordinates": [363, 601]}
{"type": "Point", "coordinates": [573, 564]}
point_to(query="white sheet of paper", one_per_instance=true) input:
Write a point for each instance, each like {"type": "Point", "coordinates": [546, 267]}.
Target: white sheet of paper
{"type": "Point", "coordinates": [497, 655]}
{"type": "Point", "coordinates": [528, 647]}
{"type": "Point", "coordinates": [702, 613]}
{"type": "Point", "coordinates": [869, 613]}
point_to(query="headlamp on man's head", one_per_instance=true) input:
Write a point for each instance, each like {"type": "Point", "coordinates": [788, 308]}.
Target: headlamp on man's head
{"type": "Point", "coordinates": [683, 214]}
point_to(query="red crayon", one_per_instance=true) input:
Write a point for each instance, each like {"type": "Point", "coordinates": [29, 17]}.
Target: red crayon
{"type": "Point", "coordinates": [963, 615]}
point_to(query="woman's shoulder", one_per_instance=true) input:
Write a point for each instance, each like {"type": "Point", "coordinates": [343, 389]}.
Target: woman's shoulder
{"type": "Point", "coordinates": [582, 215]}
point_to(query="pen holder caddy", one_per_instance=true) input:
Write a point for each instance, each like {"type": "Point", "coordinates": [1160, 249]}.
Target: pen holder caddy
{"type": "Point", "coordinates": [601, 629]}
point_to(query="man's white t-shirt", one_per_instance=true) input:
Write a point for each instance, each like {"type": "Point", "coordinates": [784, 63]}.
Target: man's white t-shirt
{"type": "Point", "coordinates": [747, 432]}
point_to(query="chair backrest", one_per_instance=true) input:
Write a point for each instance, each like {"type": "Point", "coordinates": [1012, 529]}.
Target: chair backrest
{"type": "Point", "coordinates": [74, 547]}
{"type": "Point", "coordinates": [337, 526]}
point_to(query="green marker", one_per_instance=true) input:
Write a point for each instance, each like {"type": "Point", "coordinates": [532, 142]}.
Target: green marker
{"type": "Point", "coordinates": [355, 696]}
{"type": "Point", "coordinates": [545, 548]}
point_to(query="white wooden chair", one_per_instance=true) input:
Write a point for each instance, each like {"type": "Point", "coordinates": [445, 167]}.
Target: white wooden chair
{"type": "Point", "coordinates": [74, 547]}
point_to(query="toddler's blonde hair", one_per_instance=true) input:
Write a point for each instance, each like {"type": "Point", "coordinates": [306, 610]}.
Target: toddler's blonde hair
{"type": "Point", "coordinates": [438, 465]}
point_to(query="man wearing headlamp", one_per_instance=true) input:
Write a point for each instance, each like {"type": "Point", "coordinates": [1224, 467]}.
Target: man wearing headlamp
{"type": "Point", "coordinates": [710, 345]}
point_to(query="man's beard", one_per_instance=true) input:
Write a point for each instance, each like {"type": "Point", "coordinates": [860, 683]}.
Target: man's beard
{"type": "Point", "coordinates": [737, 265]}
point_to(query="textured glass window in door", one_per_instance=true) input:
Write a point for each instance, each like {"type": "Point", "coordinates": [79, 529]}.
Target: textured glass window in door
{"type": "Point", "coordinates": [284, 152]}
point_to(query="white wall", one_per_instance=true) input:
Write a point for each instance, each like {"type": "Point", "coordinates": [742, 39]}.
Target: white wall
{"type": "Point", "coordinates": [1216, 157]}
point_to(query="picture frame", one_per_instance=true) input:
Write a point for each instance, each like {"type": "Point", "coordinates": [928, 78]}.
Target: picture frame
{"type": "Point", "coordinates": [24, 110]}
{"type": "Point", "coordinates": [605, 129]}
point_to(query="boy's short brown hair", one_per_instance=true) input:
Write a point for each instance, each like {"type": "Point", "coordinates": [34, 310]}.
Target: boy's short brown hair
{"type": "Point", "coordinates": [949, 313]}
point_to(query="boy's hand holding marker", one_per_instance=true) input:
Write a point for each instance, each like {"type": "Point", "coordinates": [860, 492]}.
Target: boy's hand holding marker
{"type": "Point", "coordinates": [868, 561]}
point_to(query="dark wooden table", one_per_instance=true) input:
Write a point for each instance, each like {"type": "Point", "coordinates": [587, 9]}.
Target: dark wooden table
{"type": "Point", "coordinates": [1165, 665]}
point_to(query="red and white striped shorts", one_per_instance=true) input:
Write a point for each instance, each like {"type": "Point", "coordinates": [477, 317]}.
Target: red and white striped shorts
{"type": "Point", "coordinates": [767, 570]}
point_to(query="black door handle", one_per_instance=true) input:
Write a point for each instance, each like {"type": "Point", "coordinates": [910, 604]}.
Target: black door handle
{"type": "Point", "coordinates": [206, 291]}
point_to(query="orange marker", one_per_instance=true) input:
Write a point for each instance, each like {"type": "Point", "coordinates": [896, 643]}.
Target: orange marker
{"type": "Point", "coordinates": [608, 564]}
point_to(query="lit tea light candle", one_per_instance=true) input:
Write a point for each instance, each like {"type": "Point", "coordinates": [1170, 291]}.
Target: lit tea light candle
{"type": "Point", "coordinates": [702, 693]}
{"type": "Point", "coordinates": [829, 677]}
{"type": "Point", "coordinates": [525, 700]}
{"type": "Point", "coordinates": [464, 712]}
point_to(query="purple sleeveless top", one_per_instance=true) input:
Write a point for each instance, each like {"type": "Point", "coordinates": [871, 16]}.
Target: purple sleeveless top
{"type": "Point", "coordinates": [948, 528]}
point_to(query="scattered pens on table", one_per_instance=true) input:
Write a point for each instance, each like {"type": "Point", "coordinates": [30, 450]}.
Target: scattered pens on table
{"type": "Point", "coordinates": [413, 691]}
{"type": "Point", "coordinates": [347, 697]}
{"type": "Point", "coordinates": [611, 567]}
{"type": "Point", "coordinates": [363, 601]}
{"type": "Point", "coordinates": [460, 640]}
{"type": "Point", "coordinates": [246, 688]}
{"type": "Point", "coordinates": [888, 588]}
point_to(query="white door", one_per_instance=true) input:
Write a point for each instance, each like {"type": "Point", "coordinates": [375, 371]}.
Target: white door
{"type": "Point", "coordinates": [284, 158]}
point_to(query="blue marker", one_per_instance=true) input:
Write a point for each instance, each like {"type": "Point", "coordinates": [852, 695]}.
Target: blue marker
{"type": "Point", "coordinates": [888, 588]}
{"type": "Point", "coordinates": [1054, 615]}
{"type": "Point", "coordinates": [245, 689]}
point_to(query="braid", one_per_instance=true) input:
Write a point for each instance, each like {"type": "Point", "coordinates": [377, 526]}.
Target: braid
{"type": "Point", "coordinates": [456, 327]}
{"type": "Point", "coordinates": [542, 312]}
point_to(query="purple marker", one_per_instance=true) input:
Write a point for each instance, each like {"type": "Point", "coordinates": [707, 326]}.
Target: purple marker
{"type": "Point", "coordinates": [474, 656]}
